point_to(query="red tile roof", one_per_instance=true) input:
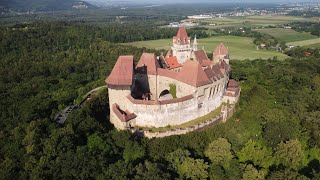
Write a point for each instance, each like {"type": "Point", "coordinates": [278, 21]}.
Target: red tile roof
{"type": "Point", "coordinates": [233, 84]}
{"type": "Point", "coordinates": [169, 54]}
{"type": "Point", "coordinates": [122, 72]}
{"type": "Point", "coordinates": [172, 62]}
{"type": "Point", "coordinates": [220, 50]}
{"type": "Point", "coordinates": [233, 88]}
{"type": "Point", "coordinates": [148, 61]}
{"type": "Point", "coordinates": [182, 35]}
{"type": "Point", "coordinates": [210, 74]}
{"type": "Point", "coordinates": [225, 66]}
{"type": "Point", "coordinates": [217, 70]}
{"type": "Point", "coordinates": [168, 73]}
{"type": "Point", "coordinates": [193, 74]}
{"type": "Point", "coordinates": [201, 55]}
{"type": "Point", "coordinates": [206, 63]}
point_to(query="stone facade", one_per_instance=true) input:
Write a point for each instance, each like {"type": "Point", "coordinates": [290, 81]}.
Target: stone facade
{"type": "Point", "coordinates": [201, 87]}
{"type": "Point", "coordinates": [222, 117]}
{"type": "Point", "coordinates": [182, 52]}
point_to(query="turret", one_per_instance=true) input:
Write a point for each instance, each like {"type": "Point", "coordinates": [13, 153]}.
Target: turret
{"type": "Point", "coordinates": [195, 43]}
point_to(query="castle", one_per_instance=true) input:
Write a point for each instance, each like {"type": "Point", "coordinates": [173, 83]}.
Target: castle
{"type": "Point", "coordinates": [170, 90]}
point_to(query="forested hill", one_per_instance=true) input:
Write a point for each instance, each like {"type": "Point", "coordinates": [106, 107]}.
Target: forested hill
{"type": "Point", "coordinates": [43, 5]}
{"type": "Point", "coordinates": [46, 66]}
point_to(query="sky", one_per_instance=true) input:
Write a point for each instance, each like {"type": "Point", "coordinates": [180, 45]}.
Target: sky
{"type": "Point", "coordinates": [122, 2]}
{"type": "Point", "coordinates": [211, 1]}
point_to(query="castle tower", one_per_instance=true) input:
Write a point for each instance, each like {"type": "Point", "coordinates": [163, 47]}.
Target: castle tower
{"type": "Point", "coordinates": [181, 45]}
{"type": "Point", "coordinates": [221, 53]}
{"type": "Point", "coordinates": [195, 43]}
{"type": "Point", "coordinates": [119, 87]}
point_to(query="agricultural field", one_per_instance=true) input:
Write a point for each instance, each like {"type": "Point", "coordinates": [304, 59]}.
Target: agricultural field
{"type": "Point", "coordinates": [252, 21]}
{"type": "Point", "coordinates": [307, 43]}
{"type": "Point", "coordinates": [287, 35]}
{"type": "Point", "coordinates": [317, 45]}
{"type": "Point", "coordinates": [241, 48]}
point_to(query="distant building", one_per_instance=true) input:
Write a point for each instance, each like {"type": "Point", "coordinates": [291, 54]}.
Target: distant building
{"type": "Point", "coordinates": [201, 16]}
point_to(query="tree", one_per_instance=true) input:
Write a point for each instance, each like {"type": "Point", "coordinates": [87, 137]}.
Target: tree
{"type": "Point", "coordinates": [251, 172]}
{"type": "Point", "coordinates": [175, 158]}
{"type": "Point", "coordinates": [193, 169]}
{"type": "Point", "coordinates": [312, 122]}
{"type": "Point", "coordinates": [133, 151]}
{"type": "Point", "coordinates": [289, 154]}
{"type": "Point", "coordinates": [149, 170]}
{"type": "Point", "coordinates": [219, 151]}
{"type": "Point", "coordinates": [256, 153]}
{"type": "Point", "coordinates": [95, 142]}
{"type": "Point", "coordinates": [286, 174]}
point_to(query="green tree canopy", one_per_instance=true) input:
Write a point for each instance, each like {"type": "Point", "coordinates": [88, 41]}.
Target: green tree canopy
{"type": "Point", "coordinates": [193, 169]}
{"type": "Point", "coordinates": [289, 154]}
{"type": "Point", "coordinates": [256, 153]}
{"type": "Point", "coordinates": [133, 151]}
{"type": "Point", "coordinates": [251, 173]}
{"type": "Point", "coordinates": [219, 151]}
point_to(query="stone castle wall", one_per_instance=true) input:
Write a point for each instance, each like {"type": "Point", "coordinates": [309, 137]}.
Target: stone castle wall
{"type": "Point", "coordinates": [191, 103]}
{"type": "Point", "coordinates": [222, 117]}
{"type": "Point", "coordinates": [117, 94]}
{"type": "Point", "coordinates": [182, 89]}
{"type": "Point", "coordinates": [162, 115]}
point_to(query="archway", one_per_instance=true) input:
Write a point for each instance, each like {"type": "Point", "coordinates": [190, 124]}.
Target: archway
{"type": "Point", "coordinates": [164, 92]}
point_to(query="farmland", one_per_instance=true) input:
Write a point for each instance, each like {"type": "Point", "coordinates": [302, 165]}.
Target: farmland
{"type": "Point", "coordinates": [287, 35]}
{"type": "Point", "coordinates": [308, 43]}
{"type": "Point", "coordinates": [240, 48]}
{"type": "Point", "coordinates": [251, 21]}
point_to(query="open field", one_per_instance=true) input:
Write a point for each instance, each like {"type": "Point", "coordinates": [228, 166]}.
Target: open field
{"type": "Point", "coordinates": [240, 47]}
{"type": "Point", "coordinates": [309, 43]}
{"type": "Point", "coordinates": [252, 21]}
{"type": "Point", "coordinates": [287, 35]}
{"type": "Point", "coordinates": [317, 45]}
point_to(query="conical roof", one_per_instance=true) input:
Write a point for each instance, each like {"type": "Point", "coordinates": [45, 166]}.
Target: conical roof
{"type": "Point", "coordinates": [182, 36]}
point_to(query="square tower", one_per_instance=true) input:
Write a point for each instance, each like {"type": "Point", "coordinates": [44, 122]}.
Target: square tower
{"type": "Point", "coordinates": [181, 45]}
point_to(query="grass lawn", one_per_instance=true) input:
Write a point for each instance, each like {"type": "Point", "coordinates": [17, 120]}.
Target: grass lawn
{"type": "Point", "coordinates": [240, 47]}
{"type": "Point", "coordinates": [310, 42]}
{"type": "Point", "coordinates": [287, 35]}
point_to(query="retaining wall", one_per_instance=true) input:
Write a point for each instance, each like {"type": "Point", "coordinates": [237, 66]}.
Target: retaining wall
{"type": "Point", "coordinates": [223, 116]}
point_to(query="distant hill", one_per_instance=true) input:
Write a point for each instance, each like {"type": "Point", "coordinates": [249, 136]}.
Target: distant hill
{"type": "Point", "coordinates": [43, 5]}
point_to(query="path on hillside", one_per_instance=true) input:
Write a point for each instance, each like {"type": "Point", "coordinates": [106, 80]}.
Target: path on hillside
{"type": "Point", "coordinates": [96, 89]}
{"type": "Point", "coordinates": [62, 116]}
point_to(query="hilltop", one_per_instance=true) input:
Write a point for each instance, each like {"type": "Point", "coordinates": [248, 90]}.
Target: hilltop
{"type": "Point", "coordinates": [42, 5]}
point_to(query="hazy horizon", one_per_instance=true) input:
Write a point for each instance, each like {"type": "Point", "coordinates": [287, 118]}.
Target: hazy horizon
{"type": "Point", "coordinates": [205, 1]}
